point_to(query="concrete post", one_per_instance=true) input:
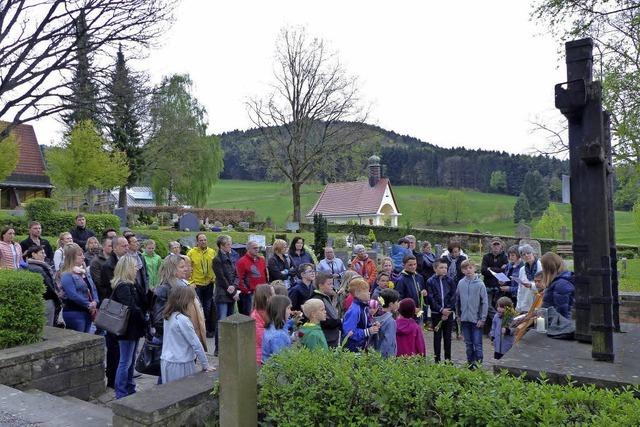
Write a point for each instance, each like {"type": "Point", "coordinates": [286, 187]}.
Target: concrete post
{"type": "Point", "coordinates": [238, 374]}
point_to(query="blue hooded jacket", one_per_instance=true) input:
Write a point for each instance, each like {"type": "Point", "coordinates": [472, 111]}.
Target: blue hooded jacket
{"type": "Point", "coordinates": [560, 294]}
{"type": "Point", "coordinates": [398, 252]}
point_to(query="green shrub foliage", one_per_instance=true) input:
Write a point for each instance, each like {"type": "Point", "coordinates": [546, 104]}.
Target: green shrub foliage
{"type": "Point", "coordinates": [39, 208]}
{"type": "Point", "coordinates": [300, 387]}
{"type": "Point", "coordinates": [21, 308]}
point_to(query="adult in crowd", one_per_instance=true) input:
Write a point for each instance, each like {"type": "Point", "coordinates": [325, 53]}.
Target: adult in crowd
{"type": "Point", "coordinates": [93, 249]}
{"type": "Point", "coordinates": [174, 273]}
{"type": "Point", "coordinates": [252, 271]}
{"type": "Point", "coordinates": [303, 289]}
{"type": "Point", "coordinates": [126, 292]}
{"type": "Point", "coordinates": [58, 256]}
{"type": "Point", "coordinates": [109, 233]}
{"type": "Point", "coordinates": [526, 287]}
{"type": "Point", "coordinates": [363, 265]}
{"type": "Point", "coordinates": [332, 266]}
{"type": "Point", "coordinates": [495, 261]}
{"type": "Point", "coordinates": [36, 257]}
{"type": "Point", "coordinates": [427, 261]}
{"type": "Point", "coordinates": [35, 239]}
{"type": "Point", "coordinates": [120, 249]}
{"type": "Point", "coordinates": [226, 292]}
{"type": "Point", "coordinates": [10, 251]}
{"type": "Point", "coordinates": [174, 248]}
{"type": "Point", "coordinates": [558, 283]}
{"type": "Point", "coordinates": [142, 278]}
{"type": "Point", "coordinates": [279, 265]}
{"type": "Point", "coordinates": [80, 301]}
{"type": "Point", "coordinates": [202, 277]}
{"type": "Point", "coordinates": [95, 266]}
{"type": "Point", "coordinates": [325, 292]}
{"type": "Point", "coordinates": [454, 259]}
{"type": "Point", "coordinates": [80, 233]}
{"type": "Point", "coordinates": [298, 254]}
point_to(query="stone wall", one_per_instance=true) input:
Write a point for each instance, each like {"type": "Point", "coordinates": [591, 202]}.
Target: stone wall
{"type": "Point", "coordinates": [185, 402]}
{"type": "Point", "coordinates": [629, 307]}
{"type": "Point", "coordinates": [64, 363]}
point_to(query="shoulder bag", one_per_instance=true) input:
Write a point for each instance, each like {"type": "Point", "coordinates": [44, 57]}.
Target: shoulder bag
{"type": "Point", "coordinates": [113, 316]}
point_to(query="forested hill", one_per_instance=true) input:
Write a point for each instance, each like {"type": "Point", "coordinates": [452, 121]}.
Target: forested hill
{"type": "Point", "coordinates": [406, 161]}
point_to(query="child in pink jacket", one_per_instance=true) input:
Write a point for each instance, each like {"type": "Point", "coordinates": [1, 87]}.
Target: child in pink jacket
{"type": "Point", "coordinates": [409, 336]}
{"type": "Point", "coordinates": [259, 314]}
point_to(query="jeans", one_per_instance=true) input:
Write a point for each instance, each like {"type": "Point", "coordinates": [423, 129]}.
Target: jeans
{"type": "Point", "coordinates": [443, 334]}
{"type": "Point", "coordinates": [77, 320]}
{"type": "Point", "coordinates": [245, 303]}
{"type": "Point", "coordinates": [205, 295]}
{"type": "Point", "coordinates": [124, 375]}
{"type": "Point", "coordinates": [224, 309]}
{"type": "Point", "coordinates": [473, 341]}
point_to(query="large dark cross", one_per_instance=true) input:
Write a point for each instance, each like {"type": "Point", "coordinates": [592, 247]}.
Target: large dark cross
{"type": "Point", "coordinates": [580, 100]}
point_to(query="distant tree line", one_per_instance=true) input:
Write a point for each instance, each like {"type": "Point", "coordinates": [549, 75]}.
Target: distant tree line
{"type": "Point", "coordinates": [406, 161]}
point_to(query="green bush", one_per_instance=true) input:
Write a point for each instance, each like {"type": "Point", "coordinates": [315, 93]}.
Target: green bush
{"type": "Point", "coordinates": [39, 208]}
{"type": "Point", "coordinates": [21, 308]}
{"type": "Point", "coordinates": [300, 387]}
{"type": "Point", "coordinates": [19, 223]}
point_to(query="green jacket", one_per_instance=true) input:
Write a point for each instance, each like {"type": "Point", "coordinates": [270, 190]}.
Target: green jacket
{"type": "Point", "coordinates": [312, 337]}
{"type": "Point", "coordinates": [153, 266]}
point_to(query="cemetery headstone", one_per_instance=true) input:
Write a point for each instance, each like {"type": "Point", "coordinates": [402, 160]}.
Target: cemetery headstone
{"type": "Point", "coordinates": [230, 227]}
{"type": "Point", "coordinates": [293, 227]}
{"type": "Point", "coordinates": [523, 231]}
{"type": "Point", "coordinates": [188, 241]}
{"type": "Point", "coordinates": [258, 238]}
{"type": "Point", "coordinates": [564, 232]}
{"type": "Point", "coordinates": [343, 255]}
{"type": "Point", "coordinates": [189, 222]}
{"type": "Point", "coordinates": [330, 242]}
{"type": "Point", "coordinates": [243, 224]}
{"type": "Point", "coordinates": [121, 213]}
{"type": "Point", "coordinates": [534, 244]}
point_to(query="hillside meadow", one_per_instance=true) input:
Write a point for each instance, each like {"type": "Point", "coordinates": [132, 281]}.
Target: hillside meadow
{"type": "Point", "coordinates": [491, 213]}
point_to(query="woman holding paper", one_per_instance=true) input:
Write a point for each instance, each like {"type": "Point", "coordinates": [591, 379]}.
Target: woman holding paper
{"type": "Point", "coordinates": [526, 287]}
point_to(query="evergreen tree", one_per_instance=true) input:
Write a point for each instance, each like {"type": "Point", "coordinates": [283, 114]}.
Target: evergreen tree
{"type": "Point", "coordinates": [521, 210]}
{"type": "Point", "coordinates": [320, 234]}
{"type": "Point", "coordinates": [536, 191]}
{"type": "Point", "coordinates": [123, 122]}
{"type": "Point", "coordinates": [83, 101]}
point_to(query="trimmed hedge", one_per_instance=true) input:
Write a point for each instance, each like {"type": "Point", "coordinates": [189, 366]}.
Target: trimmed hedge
{"type": "Point", "coordinates": [300, 387]}
{"type": "Point", "coordinates": [21, 308]}
{"type": "Point", "coordinates": [54, 222]}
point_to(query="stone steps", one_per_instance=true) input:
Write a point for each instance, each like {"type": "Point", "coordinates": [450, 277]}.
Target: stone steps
{"type": "Point", "coordinates": [40, 408]}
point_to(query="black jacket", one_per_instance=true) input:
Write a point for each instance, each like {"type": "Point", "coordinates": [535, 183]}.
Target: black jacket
{"type": "Point", "coordinates": [276, 266]}
{"type": "Point", "coordinates": [44, 270]}
{"type": "Point", "coordinates": [226, 276]}
{"type": "Point", "coordinates": [299, 294]}
{"type": "Point", "coordinates": [81, 235]}
{"type": "Point", "coordinates": [447, 260]}
{"type": "Point", "coordinates": [48, 251]}
{"type": "Point", "coordinates": [103, 286]}
{"type": "Point", "coordinates": [410, 285]}
{"type": "Point", "coordinates": [95, 268]}
{"type": "Point", "coordinates": [494, 263]}
{"type": "Point", "coordinates": [332, 325]}
{"type": "Point", "coordinates": [129, 294]}
{"type": "Point", "coordinates": [435, 295]}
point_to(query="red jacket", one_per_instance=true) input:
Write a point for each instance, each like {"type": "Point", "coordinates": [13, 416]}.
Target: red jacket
{"type": "Point", "coordinates": [251, 273]}
{"type": "Point", "coordinates": [367, 269]}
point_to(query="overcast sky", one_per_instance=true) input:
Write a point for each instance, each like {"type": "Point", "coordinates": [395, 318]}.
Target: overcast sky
{"type": "Point", "coordinates": [463, 73]}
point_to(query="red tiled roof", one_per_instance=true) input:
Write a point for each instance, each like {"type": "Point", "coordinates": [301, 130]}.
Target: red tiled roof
{"type": "Point", "coordinates": [30, 160]}
{"type": "Point", "coordinates": [350, 198]}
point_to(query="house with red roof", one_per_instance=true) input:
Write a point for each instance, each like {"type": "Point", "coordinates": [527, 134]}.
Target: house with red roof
{"type": "Point", "coordinates": [364, 202]}
{"type": "Point", "coordinates": [29, 179]}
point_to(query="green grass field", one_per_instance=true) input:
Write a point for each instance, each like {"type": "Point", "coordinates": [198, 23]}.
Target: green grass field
{"type": "Point", "coordinates": [490, 213]}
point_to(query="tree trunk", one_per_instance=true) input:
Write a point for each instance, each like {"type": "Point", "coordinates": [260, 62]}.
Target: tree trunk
{"type": "Point", "coordinates": [122, 197]}
{"type": "Point", "coordinates": [295, 195]}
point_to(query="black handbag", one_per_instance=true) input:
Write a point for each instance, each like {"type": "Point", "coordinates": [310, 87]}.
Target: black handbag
{"type": "Point", "coordinates": [148, 361]}
{"type": "Point", "coordinates": [113, 316]}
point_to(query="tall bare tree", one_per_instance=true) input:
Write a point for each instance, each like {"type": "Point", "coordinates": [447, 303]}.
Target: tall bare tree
{"type": "Point", "coordinates": [38, 47]}
{"type": "Point", "coordinates": [312, 113]}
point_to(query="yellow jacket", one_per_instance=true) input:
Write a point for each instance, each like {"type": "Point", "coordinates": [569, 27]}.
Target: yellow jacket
{"type": "Point", "coordinates": [202, 263]}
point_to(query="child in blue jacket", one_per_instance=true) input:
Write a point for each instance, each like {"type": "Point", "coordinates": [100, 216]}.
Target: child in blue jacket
{"type": "Point", "coordinates": [356, 328]}
{"type": "Point", "coordinates": [501, 335]}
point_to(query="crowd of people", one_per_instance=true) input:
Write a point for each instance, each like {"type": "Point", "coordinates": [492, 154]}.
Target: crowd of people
{"type": "Point", "coordinates": [352, 304]}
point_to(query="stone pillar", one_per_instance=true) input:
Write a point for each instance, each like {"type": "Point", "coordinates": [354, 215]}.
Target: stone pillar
{"type": "Point", "coordinates": [238, 373]}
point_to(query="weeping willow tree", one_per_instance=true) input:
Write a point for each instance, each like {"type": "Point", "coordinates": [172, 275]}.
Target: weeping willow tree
{"type": "Point", "coordinates": [183, 161]}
